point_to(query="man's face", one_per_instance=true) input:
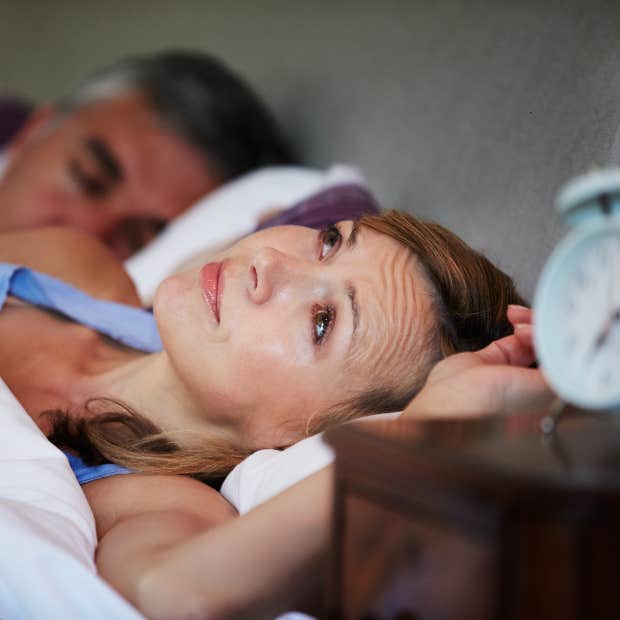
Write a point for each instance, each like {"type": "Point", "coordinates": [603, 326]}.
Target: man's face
{"type": "Point", "coordinates": [110, 168]}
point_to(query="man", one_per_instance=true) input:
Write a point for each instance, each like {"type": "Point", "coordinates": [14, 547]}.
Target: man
{"type": "Point", "coordinates": [134, 146]}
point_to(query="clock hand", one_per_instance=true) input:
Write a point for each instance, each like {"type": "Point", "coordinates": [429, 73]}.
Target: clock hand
{"type": "Point", "coordinates": [613, 298]}
{"type": "Point", "coordinates": [615, 281]}
{"type": "Point", "coordinates": [601, 339]}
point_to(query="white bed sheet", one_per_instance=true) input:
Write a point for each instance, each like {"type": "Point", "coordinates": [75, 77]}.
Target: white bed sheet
{"type": "Point", "coordinates": [47, 531]}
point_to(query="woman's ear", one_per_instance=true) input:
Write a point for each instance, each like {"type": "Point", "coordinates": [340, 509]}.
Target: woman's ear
{"type": "Point", "coordinates": [33, 127]}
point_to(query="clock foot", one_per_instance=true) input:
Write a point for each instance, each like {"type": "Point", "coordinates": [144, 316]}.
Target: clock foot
{"type": "Point", "coordinates": [549, 423]}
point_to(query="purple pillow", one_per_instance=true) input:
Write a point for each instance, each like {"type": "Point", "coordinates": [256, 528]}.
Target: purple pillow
{"type": "Point", "coordinates": [321, 210]}
{"type": "Point", "coordinates": [13, 114]}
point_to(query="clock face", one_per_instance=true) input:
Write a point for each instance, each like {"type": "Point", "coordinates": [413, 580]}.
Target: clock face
{"type": "Point", "coordinates": [577, 310]}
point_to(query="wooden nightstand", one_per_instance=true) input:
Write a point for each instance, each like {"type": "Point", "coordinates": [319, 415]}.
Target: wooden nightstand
{"type": "Point", "coordinates": [480, 519]}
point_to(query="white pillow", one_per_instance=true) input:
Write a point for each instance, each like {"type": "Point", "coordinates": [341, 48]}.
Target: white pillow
{"type": "Point", "coordinates": [226, 214]}
{"type": "Point", "coordinates": [266, 473]}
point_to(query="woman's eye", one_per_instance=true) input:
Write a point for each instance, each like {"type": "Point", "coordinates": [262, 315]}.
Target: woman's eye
{"type": "Point", "coordinates": [330, 239]}
{"type": "Point", "coordinates": [322, 322]}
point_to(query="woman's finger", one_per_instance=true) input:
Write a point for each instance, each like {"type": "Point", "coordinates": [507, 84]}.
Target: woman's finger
{"type": "Point", "coordinates": [508, 350]}
{"type": "Point", "coordinates": [519, 314]}
{"type": "Point", "coordinates": [525, 334]}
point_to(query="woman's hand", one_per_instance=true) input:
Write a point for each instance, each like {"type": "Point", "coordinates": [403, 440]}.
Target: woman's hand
{"type": "Point", "coordinates": [494, 380]}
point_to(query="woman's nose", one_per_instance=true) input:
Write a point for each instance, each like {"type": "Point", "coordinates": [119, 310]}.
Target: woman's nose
{"type": "Point", "coordinates": [271, 272]}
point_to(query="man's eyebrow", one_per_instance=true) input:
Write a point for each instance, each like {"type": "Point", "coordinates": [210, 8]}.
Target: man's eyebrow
{"type": "Point", "coordinates": [106, 159]}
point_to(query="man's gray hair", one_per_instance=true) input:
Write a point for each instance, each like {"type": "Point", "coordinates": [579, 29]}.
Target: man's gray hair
{"type": "Point", "coordinates": [199, 98]}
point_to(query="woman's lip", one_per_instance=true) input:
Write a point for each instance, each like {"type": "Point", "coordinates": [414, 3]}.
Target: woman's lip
{"type": "Point", "coordinates": [210, 285]}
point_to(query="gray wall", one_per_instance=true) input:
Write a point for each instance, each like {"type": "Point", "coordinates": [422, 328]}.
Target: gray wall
{"type": "Point", "coordinates": [467, 112]}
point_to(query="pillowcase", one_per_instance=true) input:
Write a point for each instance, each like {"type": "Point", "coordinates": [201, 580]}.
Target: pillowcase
{"type": "Point", "coordinates": [266, 473]}
{"type": "Point", "coordinates": [229, 212]}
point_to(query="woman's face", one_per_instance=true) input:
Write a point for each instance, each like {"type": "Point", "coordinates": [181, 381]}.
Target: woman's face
{"type": "Point", "coordinates": [289, 322]}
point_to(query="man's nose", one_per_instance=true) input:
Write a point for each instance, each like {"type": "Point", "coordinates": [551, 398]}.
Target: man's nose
{"type": "Point", "coordinates": [97, 221]}
{"type": "Point", "coordinates": [115, 228]}
{"type": "Point", "coordinates": [272, 272]}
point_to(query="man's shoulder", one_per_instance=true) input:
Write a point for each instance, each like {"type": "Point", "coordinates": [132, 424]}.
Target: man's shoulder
{"type": "Point", "coordinates": [73, 256]}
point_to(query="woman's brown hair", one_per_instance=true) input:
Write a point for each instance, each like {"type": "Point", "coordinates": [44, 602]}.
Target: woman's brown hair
{"type": "Point", "coordinates": [108, 430]}
{"type": "Point", "coordinates": [470, 297]}
{"type": "Point", "coordinates": [472, 294]}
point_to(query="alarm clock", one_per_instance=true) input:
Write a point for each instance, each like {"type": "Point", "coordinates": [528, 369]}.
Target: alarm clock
{"type": "Point", "coordinates": [577, 301]}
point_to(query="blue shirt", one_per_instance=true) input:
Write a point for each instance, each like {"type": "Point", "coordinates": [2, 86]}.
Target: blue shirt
{"type": "Point", "coordinates": [133, 327]}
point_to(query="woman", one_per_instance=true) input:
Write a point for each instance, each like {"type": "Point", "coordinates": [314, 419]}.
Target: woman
{"type": "Point", "coordinates": [284, 333]}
